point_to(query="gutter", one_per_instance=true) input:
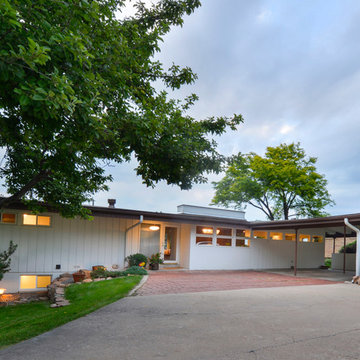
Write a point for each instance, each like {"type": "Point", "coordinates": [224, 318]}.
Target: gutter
{"type": "Point", "coordinates": [130, 228]}
{"type": "Point", "coordinates": [346, 221]}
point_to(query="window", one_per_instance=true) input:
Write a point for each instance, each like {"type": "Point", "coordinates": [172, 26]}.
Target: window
{"type": "Point", "coordinates": [223, 232]}
{"type": "Point", "coordinates": [28, 282]}
{"type": "Point", "coordinates": [204, 235]}
{"type": "Point", "coordinates": [242, 238]}
{"type": "Point", "coordinates": [318, 239]}
{"type": "Point", "coordinates": [305, 238]}
{"type": "Point", "coordinates": [203, 240]}
{"type": "Point", "coordinates": [259, 234]}
{"type": "Point", "coordinates": [38, 220]}
{"type": "Point", "coordinates": [290, 237]}
{"type": "Point", "coordinates": [242, 243]}
{"type": "Point", "coordinates": [223, 241]}
{"type": "Point", "coordinates": [242, 233]}
{"type": "Point", "coordinates": [7, 218]}
{"type": "Point", "coordinates": [276, 235]}
{"type": "Point", "coordinates": [222, 237]}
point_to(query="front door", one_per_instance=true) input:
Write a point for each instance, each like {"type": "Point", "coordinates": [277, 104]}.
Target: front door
{"type": "Point", "coordinates": [171, 244]}
{"type": "Point", "coordinates": [149, 239]}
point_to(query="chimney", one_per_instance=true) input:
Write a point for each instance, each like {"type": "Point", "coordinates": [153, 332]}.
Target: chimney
{"type": "Point", "coordinates": [111, 203]}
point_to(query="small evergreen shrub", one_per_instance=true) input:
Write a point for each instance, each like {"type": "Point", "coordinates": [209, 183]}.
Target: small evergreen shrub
{"type": "Point", "coordinates": [350, 248]}
{"type": "Point", "coordinates": [102, 273]}
{"type": "Point", "coordinates": [328, 262]}
{"type": "Point", "coordinates": [136, 259]}
{"type": "Point", "coordinates": [136, 270]}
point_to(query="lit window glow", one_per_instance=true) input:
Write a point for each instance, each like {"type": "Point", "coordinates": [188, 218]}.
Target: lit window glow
{"type": "Point", "coordinates": [28, 282]}
{"type": "Point", "coordinates": [40, 220]}
{"type": "Point", "coordinates": [317, 239]}
{"type": "Point", "coordinates": [43, 220]}
{"type": "Point", "coordinates": [34, 281]}
{"type": "Point", "coordinates": [8, 218]}
{"type": "Point", "coordinates": [305, 238]}
{"type": "Point", "coordinates": [276, 236]}
{"type": "Point", "coordinates": [290, 237]}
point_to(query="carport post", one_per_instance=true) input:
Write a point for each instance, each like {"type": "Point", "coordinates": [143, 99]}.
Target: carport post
{"type": "Point", "coordinates": [344, 264]}
{"type": "Point", "coordinates": [296, 246]}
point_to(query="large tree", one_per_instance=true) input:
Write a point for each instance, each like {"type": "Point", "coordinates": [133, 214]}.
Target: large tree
{"type": "Point", "coordinates": [284, 182]}
{"type": "Point", "coordinates": [77, 90]}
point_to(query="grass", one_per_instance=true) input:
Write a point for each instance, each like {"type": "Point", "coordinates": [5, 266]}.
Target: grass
{"type": "Point", "coordinates": [21, 322]}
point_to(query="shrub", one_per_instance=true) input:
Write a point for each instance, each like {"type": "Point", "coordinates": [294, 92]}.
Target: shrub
{"type": "Point", "coordinates": [350, 248]}
{"type": "Point", "coordinates": [155, 259]}
{"type": "Point", "coordinates": [328, 262]}
{"type": "Point", "coordinates": [136, 259]}
{"type": "Point", "coordinates": [5, 259]}
{"type": "Point", "coordinates": [135, 270]}
{"type": "Point", "coordinates": [102, 273]}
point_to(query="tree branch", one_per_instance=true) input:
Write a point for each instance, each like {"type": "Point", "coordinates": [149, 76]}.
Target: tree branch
{"type": "Point", "coordinates": [19, 194]}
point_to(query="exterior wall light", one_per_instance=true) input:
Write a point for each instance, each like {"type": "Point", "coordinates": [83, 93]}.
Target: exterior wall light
{"type": "Point", "coordinates": [2, 291]}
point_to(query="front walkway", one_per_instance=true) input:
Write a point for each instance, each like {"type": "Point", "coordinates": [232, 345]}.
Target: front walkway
{"type": "Point", "coordinates": [177, 282]}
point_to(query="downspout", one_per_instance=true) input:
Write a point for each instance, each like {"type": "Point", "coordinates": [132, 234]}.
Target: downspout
{"type": "Point", "coordinates": [346, 221]}
{"type": "Point", "coordinates": [130, 228]}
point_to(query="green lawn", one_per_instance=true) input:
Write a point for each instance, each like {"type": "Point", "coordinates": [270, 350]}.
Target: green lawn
{"type": "Point", "coordinates": [22, 322]}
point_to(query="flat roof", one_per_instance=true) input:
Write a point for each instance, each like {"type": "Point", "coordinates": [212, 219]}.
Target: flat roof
{"type": "Point", "coordinates": [320, 222]}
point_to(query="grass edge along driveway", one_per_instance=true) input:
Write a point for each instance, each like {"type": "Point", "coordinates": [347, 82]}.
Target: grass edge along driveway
{"type": "Point", "coordinates": [21, 322]}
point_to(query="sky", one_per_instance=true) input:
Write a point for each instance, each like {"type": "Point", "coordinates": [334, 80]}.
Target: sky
{"type": "Point", "coordinates": [291, 68]}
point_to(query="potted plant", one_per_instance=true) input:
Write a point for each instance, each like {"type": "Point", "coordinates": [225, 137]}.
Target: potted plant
{"type": "Point", "coordinates": [154, 261]}
{"type": "Point", "coordinates": [79, 276]}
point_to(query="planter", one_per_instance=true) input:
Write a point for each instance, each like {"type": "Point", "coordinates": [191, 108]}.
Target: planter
{"type": "Point", "coordinates": [78, 277]}
{"type": "Point", "coordinates": [154, 266]}
{"type": "Point", "coordinates": [98, 267]}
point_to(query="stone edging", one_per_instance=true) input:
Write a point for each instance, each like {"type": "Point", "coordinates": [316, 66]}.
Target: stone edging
{"type": "Point", "coordinates": [138, 286]}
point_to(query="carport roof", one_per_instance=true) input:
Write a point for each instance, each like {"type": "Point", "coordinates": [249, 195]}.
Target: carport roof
{"type": "Point", "coordinates": [321, 222]}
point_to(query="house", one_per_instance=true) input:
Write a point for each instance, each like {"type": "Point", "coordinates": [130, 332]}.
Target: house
{"type": "Point", "coordinates": [196, 238]}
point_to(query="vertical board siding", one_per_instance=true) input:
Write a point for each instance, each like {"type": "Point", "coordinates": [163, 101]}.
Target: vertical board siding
{"type": "Point", "coordinates": [73, 244]}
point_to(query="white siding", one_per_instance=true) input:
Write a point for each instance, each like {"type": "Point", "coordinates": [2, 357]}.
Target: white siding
{"type": "Point", "coordinates": [262, 254]}
{"type": "Point", "coordinates": [185, 233]}
{"type": "Point", "coordinates": [74, 244]}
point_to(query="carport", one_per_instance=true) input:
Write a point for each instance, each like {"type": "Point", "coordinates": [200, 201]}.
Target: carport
{"type": "Point", "coordinates": [334, 226]}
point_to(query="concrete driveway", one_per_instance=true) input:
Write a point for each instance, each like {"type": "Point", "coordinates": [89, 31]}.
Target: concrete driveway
{"type": "Point", "coordinates": [290, 323]}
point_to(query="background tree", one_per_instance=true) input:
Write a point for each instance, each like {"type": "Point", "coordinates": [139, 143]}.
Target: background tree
{"type": "Point", "coordinates": [5, 259]}
{"type": "Point", "coordinates": [77, 91]}
{"type": "Point", "coordinates": [282, 183]}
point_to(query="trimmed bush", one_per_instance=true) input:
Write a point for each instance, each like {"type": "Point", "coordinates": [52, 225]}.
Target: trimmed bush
{"type": "Point", "coordinates": [135, 270]}
{"type": "Point", "coordinates": [328, 262]}
{"type": "Point", "coordinates": [102, 273]}
{"type": "Point", "coordinates": [136, 259]}
{"type": "Point", "coordinates": [350, 248]}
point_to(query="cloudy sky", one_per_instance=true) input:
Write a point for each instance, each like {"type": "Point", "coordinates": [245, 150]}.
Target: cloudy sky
{"type": "Point", "coordinates": [291, 68]}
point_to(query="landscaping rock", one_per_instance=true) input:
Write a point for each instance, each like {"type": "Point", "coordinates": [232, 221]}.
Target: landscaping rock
{"type": "Point", "coordinates": [87, 281]}
{"type": "Point", "coordinates": [56, 290]}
